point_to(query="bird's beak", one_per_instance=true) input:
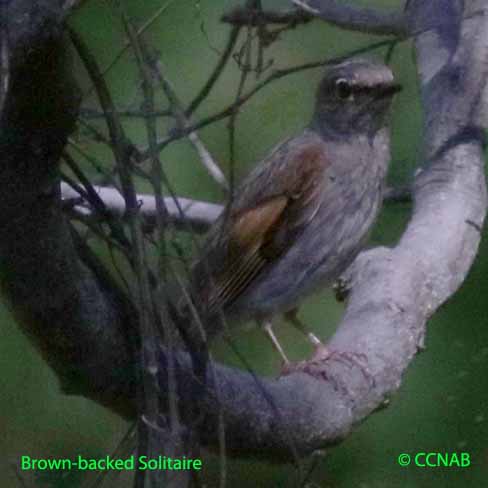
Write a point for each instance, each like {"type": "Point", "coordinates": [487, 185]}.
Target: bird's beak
{"type": "Point", "coordinates": [390, 90]}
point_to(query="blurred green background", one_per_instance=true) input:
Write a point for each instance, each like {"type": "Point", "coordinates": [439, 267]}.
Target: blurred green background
{"type": "Point", "coordinates": [442, 403]}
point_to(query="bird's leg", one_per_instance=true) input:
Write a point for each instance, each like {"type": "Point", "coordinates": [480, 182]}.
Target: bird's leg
{"type": "Point", "coordinates": [292, 317]}
{"type": "Point", "coordinates": [268, 328]}
{"type": "Point", "coordinates": [322, 352]}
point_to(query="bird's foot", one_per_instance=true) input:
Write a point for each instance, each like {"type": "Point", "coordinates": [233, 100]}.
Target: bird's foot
{"type": "Point", "coordinates": [321, 353]}
{"type": "Point", "coordinates": [319, 364]}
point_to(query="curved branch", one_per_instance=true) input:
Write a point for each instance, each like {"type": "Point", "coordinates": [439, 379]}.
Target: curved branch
{"type": "Point", "coordinates": [348, 17]}
{"type": "Point", "coordinates": [394, 291]}
{"type": "Point", "coordinates": [45, 278]}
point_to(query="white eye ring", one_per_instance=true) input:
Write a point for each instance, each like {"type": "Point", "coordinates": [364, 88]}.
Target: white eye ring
{"type": "Point", "coordinates": [343, 89]}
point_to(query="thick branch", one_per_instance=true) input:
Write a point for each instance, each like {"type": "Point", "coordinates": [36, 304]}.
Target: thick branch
{"type": "Point", "coordinates": [394, 291]}
{"type": "Point", "coordinates": [45, 281]}
{"type": "Point", "coordinates": [199, 215]}
{"type": "Point", "coordinates": [367, 20]}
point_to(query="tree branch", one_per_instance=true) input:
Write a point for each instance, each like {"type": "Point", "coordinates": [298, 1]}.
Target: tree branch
{"type": "Point", "coordinates": [243, 16]}
{"type": "Point", "coordinates": [272, 77]}
{"type": "Point", "coordinates": [49, 277]}
{"type": "Point", "coordinates": [360, 19]}
{"type": "Point", "coordinates": [197, 215]}
{"type": "Point", "coordinates": [45, 278]}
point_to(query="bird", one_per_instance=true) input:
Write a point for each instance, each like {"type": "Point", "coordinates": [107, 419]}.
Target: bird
{"type": "Point", "coordinates": [302, 215]}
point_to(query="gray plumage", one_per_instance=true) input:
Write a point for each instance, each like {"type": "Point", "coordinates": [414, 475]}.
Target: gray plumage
{"type": "Point", "coordinates": [303, 214]}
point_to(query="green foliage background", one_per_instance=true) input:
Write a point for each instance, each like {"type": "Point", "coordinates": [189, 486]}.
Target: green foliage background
{"type": "Point", "coordinates": [442, 404]}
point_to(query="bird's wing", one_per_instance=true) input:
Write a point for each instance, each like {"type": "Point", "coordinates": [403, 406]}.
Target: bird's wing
{"type": "Point", "coordinates": [273, 206]}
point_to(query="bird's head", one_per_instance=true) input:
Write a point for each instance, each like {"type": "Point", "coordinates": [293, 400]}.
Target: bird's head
{"type": "Point", "coordinates": [354, 97]}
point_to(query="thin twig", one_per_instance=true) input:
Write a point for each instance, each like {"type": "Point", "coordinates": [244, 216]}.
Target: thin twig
{"type": "Point", "coordinates": [119, 145]}
{"type": "Point", "coordinates": [117, 230]}
{"type": "Point", "coordinates": [127, 45]}
{"type": "Point", "coordinates": [275, 75]}
{"type": "Point", "coordinates": [123, 448]}
{"type": "Point", "coordinates": [161, 224]}
{"type": "Point", "coordinates": [241, 16]}
{"type": "Point", "coordinates": [215, 75]}
{"type": "Point", "coordinates": [107, 177]}
{"type": "Point", "coordinates": [246, 68]}
{"type": "Point", "coordinates": [89, 113]}
{"type": "Point", "coordinates": [177, 109]}
{"type": "Point", "coordinates": [95, 133]}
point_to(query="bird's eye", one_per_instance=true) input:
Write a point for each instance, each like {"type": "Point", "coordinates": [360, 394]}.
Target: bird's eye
{"type": "Point", "coordinates": [343, 89]}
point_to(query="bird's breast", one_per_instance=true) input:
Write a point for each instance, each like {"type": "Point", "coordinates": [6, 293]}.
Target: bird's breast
{"type": "Point", "coordinates": [351, 199]}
